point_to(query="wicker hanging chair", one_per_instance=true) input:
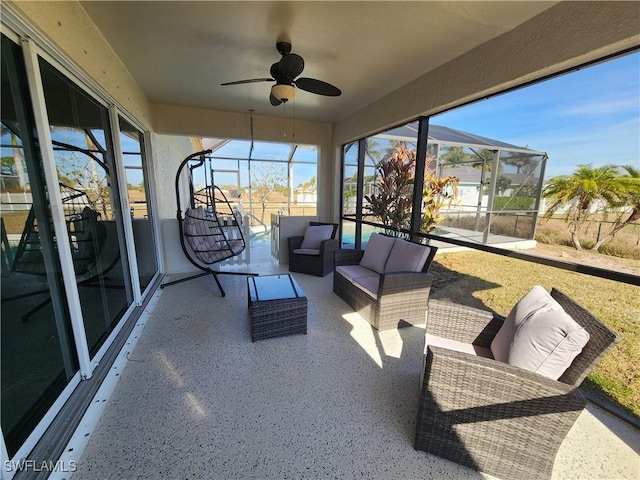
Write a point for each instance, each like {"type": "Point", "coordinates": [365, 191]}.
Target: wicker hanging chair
{"type": "Point", "coordinates": [210, 230]}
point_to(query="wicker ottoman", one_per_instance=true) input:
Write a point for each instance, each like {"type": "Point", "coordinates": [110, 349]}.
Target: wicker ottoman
{"type": "Point", "coordinates": [277, 306]}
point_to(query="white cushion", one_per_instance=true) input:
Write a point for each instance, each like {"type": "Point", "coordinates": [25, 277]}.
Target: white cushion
{"type": "Point", "coordinates": [377, 252]}
{"type": "Point", "coordinates": [307, 251]}
{"type": "Point", "coordinates": [407, 257]}
{"type": "Point", "coordinates": [351, 272]}
{"type": "Point", "coordinates": [541, 336]}
{"type": "Point", "coordinates": [315, 234]}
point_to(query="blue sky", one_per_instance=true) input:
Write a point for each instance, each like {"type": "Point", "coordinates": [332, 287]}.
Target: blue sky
{"type": "Point", "coordinates": [587, 117]}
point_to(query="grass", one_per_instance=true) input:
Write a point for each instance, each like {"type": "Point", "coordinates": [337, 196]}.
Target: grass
{"type": "Point", "coordinates": [494, 282]}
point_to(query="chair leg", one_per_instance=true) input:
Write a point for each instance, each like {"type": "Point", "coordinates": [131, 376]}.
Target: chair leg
{"type": "Point", "coordinates": [186, 279]}
{"type": "Point", "coordinates": [215, 277]}
{"type": "Point", "coordinates": [214, 274]}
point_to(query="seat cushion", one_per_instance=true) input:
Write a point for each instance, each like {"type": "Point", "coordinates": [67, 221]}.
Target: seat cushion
{"type": "Point", "coordinates": [407, 257]}
{"type": "Point", "coordinates": [377, 252]}
{"type": "Point", "coordinates": [351, 272]}
{"type": "Point", "coordinates": [369, 285]}
{"type": "Point", "coordinates": [307, 251]}
{"type": "Point", "coordinates": [539, 336]}
{"type": "Point", "coordinates": [455, 345]}
{"type": "Point", "coordinates": [315, 234]}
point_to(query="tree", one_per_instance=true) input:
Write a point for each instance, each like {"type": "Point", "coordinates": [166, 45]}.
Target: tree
{"type": "Point", "coordinates": [582, 193]}
{"type": "Point", "coordinates": [438, 192]}
{"type": "Point", "coordinates": [454, 156]}
{"type": "Point", "coordinates": [392, 201]}
{"type": "Point", "coordinates": [629, 201]}
{"type": "Point", "coordinates": [266, 178]}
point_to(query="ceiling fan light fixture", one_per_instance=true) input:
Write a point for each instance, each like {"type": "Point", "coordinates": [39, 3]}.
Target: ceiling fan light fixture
{"type": "Point", "coordinates": [284, 93]}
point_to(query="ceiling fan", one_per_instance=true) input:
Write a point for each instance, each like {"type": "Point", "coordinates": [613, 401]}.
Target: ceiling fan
{"type": "Point", "coordinates": [284, 73]}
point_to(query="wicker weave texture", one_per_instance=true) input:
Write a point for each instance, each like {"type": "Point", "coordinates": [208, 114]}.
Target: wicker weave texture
{"type": "Point", "coordinates": [401, 300]}
{"type": "Point", "coordinates": [277, 317]}
{"type": "Point", "coordinates": [319, 265]}
{"type": "Point", "coordinates": [488, 415]}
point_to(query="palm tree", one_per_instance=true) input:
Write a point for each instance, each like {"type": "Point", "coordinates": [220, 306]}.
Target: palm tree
{"type": "Point", "coordinates": [629, 184]}
{"type": "Point", "coordinates": [454, 156]}
{"type": "Point", "coordinates": [586, 190]}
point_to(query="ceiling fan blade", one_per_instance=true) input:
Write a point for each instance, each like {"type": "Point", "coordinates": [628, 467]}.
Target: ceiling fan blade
{"type": "Point", "coordinates": [291, 65]}
{"type": "Point", "coordinates": [317, 86]}
{"type": "Point", "coordinates": [251, 80]}
{"type": "Point", "coordinates": [274, 101]}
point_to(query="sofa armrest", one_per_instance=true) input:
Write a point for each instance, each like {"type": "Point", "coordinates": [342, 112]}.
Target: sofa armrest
{"type": "Point", "coordinates": [347, 257]}
{"type": "Point", "coordinates": [328, 246]}
{"type": "Point", "coordinates": [461, 323]}
{"type": "Point", "coordinates": [294, 242]}
{"type": "Point", "coordinates": [403, 282]}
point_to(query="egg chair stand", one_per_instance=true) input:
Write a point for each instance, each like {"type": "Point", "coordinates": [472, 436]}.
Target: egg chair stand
{"type": "Point", "coordinates": [210, 230]}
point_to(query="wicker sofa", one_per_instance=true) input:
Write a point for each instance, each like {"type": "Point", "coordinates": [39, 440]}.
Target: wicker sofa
{"type": "Point", "coordinates": [388, 283]}
{"type": "Point", "coordinates": [491, 416]}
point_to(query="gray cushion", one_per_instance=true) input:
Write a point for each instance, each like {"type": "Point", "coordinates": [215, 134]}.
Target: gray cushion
{"type": "Point", "coordinates": [406, 257]}
{"type": "Point", "coordinates": [541, 337]}
{"type": "Point", "coordinates": [307, 251]}
{"type": "Point", "coordinates": [351, 272]}
{"type": "Point", "coordinates": [369, 285]}
{"type": "Point", "coordinates": [377, 252]}
{"type": "Point", "coordinates": [456, 346]}
{"type": "Point", "coordinates": [315, 234]}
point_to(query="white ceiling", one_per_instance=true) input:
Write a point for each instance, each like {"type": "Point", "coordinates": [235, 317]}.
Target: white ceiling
{"type": "Point", "coordinates": [180, 52]}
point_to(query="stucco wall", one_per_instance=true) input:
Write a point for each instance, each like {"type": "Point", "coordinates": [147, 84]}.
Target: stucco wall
{"type": "Point", "coordinates": [67, 27]}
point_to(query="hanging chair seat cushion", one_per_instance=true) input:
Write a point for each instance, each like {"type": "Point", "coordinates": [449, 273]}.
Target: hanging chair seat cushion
{"type": "Point", "coordinates": [204, 236]}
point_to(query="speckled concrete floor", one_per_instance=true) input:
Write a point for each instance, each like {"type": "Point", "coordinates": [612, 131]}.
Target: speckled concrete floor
{"type": "Point", "coordinates": [198, 399]}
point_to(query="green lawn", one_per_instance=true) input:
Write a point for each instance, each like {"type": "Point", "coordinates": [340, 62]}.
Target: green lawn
{"type": "Point", "coordinates": [485, 280]}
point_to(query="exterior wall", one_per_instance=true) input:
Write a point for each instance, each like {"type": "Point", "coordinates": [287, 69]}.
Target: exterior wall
{"type": "Point", "coordinates": [70, 30]}
{"type": "Point", "coordinates": [168, 152]}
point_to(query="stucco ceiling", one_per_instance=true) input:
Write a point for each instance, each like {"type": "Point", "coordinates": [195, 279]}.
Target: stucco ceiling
{"type": "Point", "coordinates": [180, 52]}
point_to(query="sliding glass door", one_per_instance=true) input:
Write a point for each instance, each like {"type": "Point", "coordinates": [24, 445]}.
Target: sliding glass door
{"type": "Point", "coordinates": [78, 245]}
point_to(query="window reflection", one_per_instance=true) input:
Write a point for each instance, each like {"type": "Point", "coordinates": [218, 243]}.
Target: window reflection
{"type": "Point", "coordinates": [84, 161]}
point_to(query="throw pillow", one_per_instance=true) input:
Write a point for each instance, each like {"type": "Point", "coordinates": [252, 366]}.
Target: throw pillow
{"type": "Point", "coordinates": [377, 251]}
{"type": "Point", "coordinates": [545, 339]}
{"type": "Point", "coordinates": [314, 235]}
{"type": "Point", "coordinates": [407, 257]}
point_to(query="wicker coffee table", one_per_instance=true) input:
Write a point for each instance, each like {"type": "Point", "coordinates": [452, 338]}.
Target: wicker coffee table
{"type": "Point", "coordinates": [277, 306]}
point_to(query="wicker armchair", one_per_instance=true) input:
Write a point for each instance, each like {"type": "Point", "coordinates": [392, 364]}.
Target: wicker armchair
{"type": "Point", "coordinates": [401, 298]}
{"type": "Point", "coordinates": [319, 264]}
{"type": "Point", "coordinates": [491, 416]}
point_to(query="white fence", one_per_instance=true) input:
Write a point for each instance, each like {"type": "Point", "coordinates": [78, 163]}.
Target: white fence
{"type": "Point", "coordinates": [232, 233]}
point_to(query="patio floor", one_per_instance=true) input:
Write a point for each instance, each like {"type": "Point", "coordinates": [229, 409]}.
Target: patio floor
{"type": "Point", "coordinates": [198, 399]}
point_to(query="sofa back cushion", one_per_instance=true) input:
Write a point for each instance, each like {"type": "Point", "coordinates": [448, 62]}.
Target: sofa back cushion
{"type": "Point", "coordinates": [407, 257]}
{"type": "Point", "coordinates": [314, 235]}
{"type": "Point", "coordinates": [377, 252]}
{"type": "Point", "coordinates": [539, 336]}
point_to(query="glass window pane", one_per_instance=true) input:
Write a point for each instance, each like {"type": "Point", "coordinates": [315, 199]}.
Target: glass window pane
{"type": "Point", "coordinates": [38, 353]}
{"type": "Point", "coordinates": [88, 187]}
{"type": "Point", "coordinates": [141, 214]}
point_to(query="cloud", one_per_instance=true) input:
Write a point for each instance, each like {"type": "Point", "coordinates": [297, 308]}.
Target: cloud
{"type": "Point", "coordinates": [602, 107]}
